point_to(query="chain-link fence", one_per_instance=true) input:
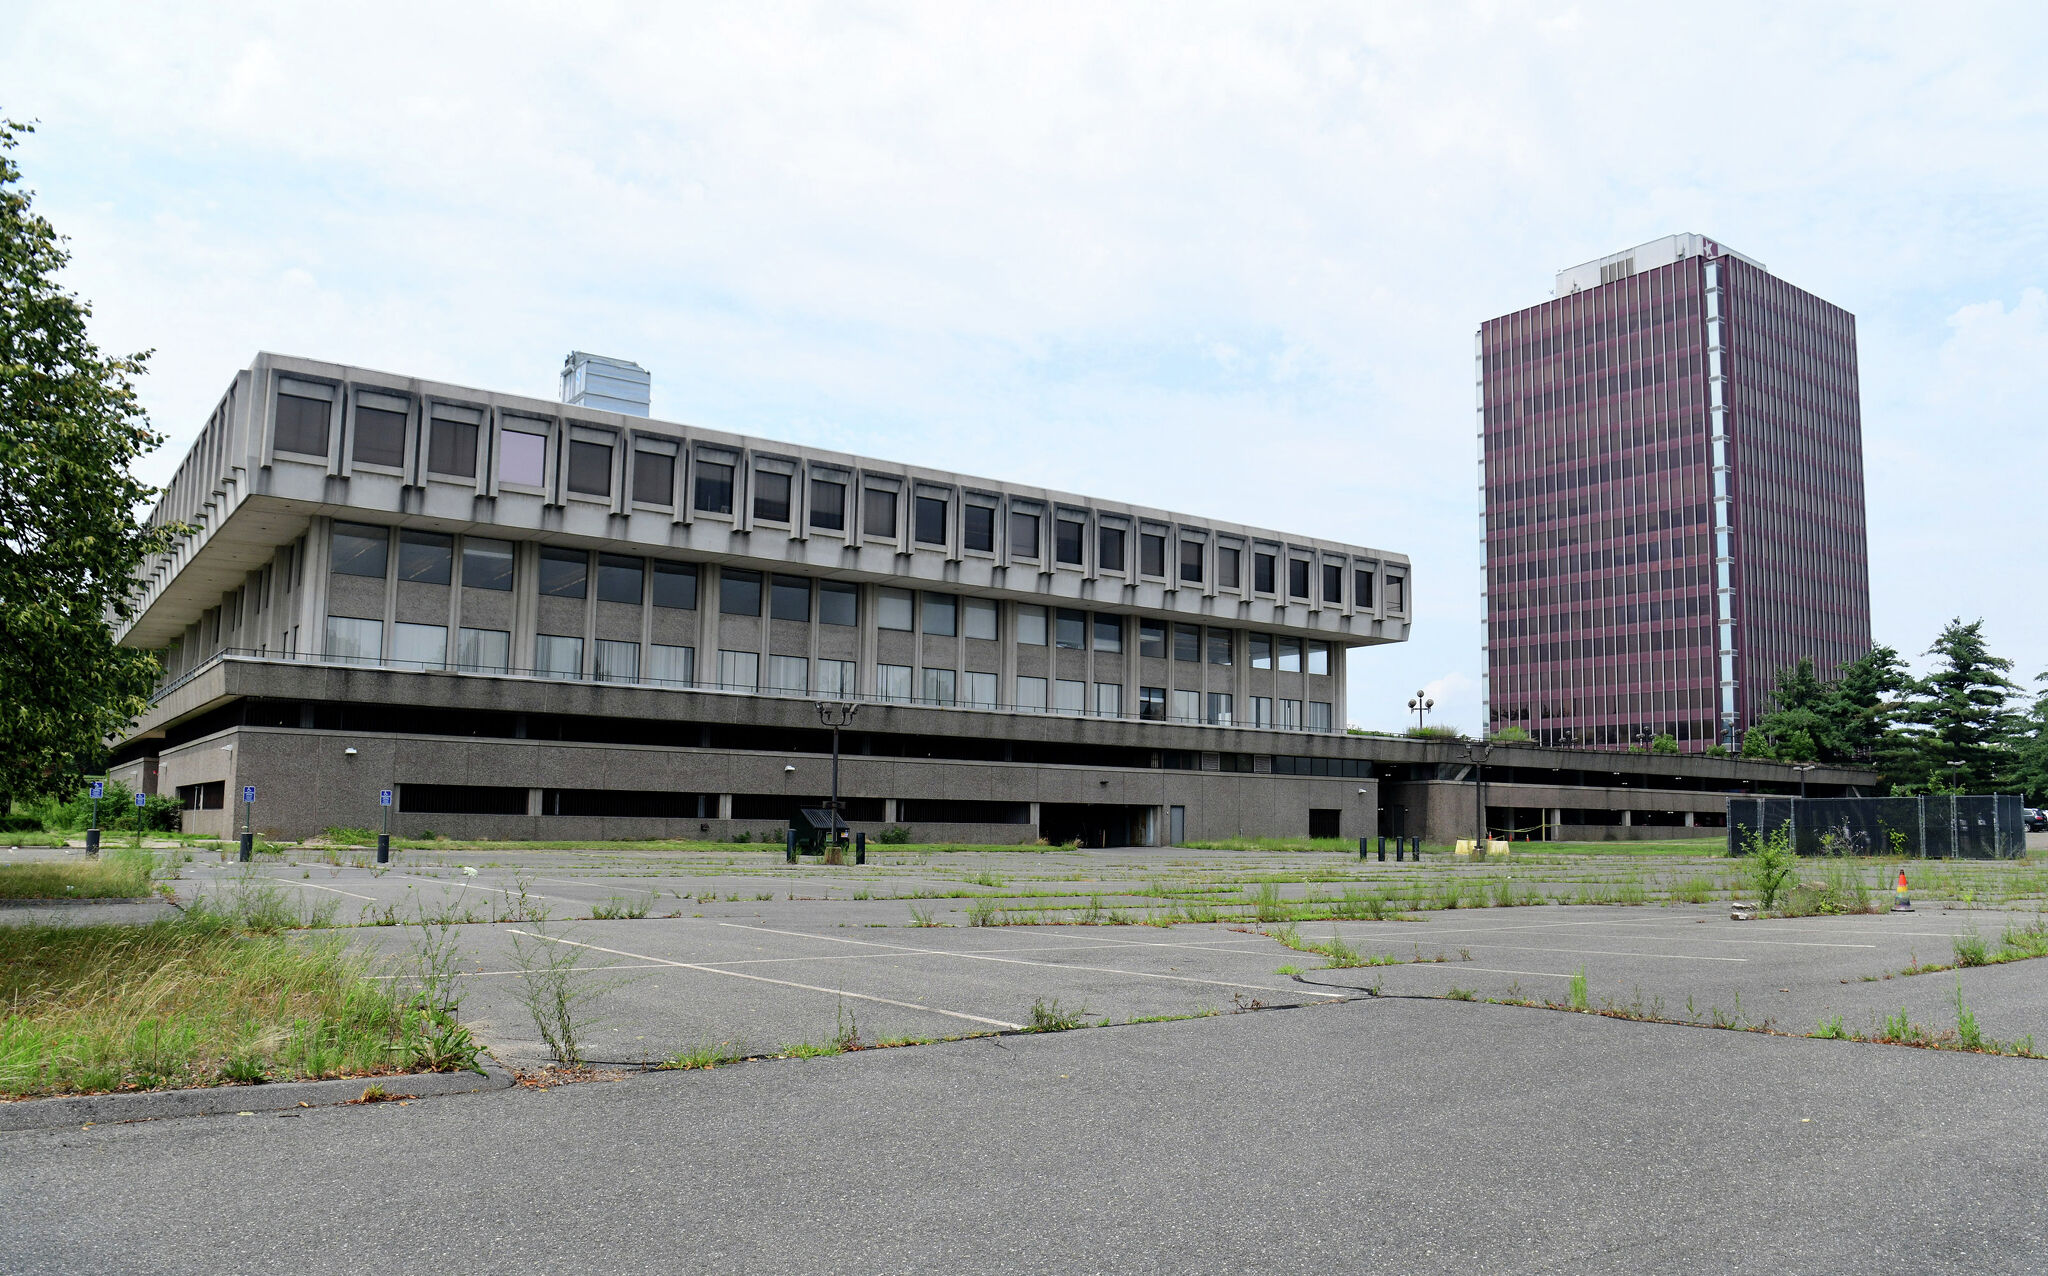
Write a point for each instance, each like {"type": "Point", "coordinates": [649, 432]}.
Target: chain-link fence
{"type": "Point", "coordinates": [1940, 827]}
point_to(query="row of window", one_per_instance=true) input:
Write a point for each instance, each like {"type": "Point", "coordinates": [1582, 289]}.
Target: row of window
{"type": "Point", "coordinates": [418, 646]}
{"type": "Point", "coordinates": [379, 439]}
{"type": "Point", "coordinates": [428, 558]}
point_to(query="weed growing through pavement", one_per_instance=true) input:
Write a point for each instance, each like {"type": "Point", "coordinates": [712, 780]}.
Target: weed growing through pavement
{"type": "Point", "coordinates": [1577, 994]}
{"type": "Point", "coordinates": [621, 908]}
{"type": "Point", "coordinates": [1050, 1016]}
{"type": "Point", "coordinates": [554, 992]}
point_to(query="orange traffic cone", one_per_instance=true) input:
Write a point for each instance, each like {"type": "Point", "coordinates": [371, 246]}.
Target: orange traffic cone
{"type": "Point", "coordinates": [1902, 904]}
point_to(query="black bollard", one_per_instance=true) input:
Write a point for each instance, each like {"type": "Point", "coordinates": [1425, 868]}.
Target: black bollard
{"type": "Point", "coordinates": [1383, 848]}
{"type": "Point", "coordinates": [383, 848]}
{"type": "Point", "coordinates": [860, 848]}
{"type": "Point", "coordinates": [1362, 848]}
{"type": "Point", "coordinates": [1415, 849]}
{"type": "Point", "coordinates": [789, 846]}
{"type": "Point", "coordinates": [248, 847]}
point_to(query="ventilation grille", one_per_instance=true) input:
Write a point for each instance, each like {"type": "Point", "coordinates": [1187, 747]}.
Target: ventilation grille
{"type": "Point", "coordinates": [1614, 270]}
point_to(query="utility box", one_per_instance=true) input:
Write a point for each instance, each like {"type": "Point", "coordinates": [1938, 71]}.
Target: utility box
{"type": "Point", "coordinates": [614, 385]}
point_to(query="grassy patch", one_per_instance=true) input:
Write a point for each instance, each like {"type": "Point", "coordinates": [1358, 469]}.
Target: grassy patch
{"type": "Point", "coordinates": [116, 874]}
{"type": "Point", "coordinates": [200, 1001]}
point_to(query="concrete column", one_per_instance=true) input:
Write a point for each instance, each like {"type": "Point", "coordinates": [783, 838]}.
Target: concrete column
{"type": "Point", "coordinates": [725, 806]}
{"type": "Point", "coordinates": [1627, 818]}
{"type": "Point", "coordinates": [888, 810]}
{"type": "Point", "coordinates": [1550, 829]}
{"type": "Point", "coordinates": [1688, 819]}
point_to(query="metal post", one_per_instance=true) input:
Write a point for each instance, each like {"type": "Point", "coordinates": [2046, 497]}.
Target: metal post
{"type": "Point", "coordinates": [789, 846]}
{"type": "Point", "coordinates": [1415, 849]}
{"type": "Point", "coordinates": [1362, 848]}
{"type": "Point", "coordinates": [860, 848]}
{"type": "Point", "coordinates": [1383, 848]}
{"type": "Point", "coordinates": [92, 835]}
{"type": "Point", "coordinates": [384, 837]}
{"type": "Point", "coordinates": [141, 801]}
{"type": "Point", "coordinates": [1400, 848]}
{"type": "Point", "coordinates": [248, 846]}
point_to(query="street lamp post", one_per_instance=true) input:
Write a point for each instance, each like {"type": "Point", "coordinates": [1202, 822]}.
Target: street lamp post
{"type": "Point", "coordinates": [1421, 705]}
{"type": "Point", "coordinates": [836, 714]}
{"type": "Point", "coordinates": [1803, 768]}
{"type": "Point", "coordinates": [1477, 754]}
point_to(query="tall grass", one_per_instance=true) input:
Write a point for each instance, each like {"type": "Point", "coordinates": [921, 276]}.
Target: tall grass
{"type": "Point", "coordinates": [201, 1001]}
{"type": "Point", "coordinates": [118, 873]}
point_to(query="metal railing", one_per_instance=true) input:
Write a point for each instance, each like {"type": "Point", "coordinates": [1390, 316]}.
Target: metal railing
{"type": "Point", "coordinates": [457, 669]}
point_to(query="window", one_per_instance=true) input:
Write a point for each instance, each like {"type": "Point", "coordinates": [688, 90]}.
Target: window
{"type": "Point", "coordinates": [739, 592]}
{"type": "Point", "coordinates": [1361, 588]}
{"type": "Point", "coordinates": [522, 458]}
{"type": "Point", "coordinates": [892, 682]}
{"type": "Point", "coordinates": [420, 646]}
{"type": "Point", "coordinates": [1187, 706]}
{"type": "Point", "coordinates": [1191, 561]}
{"type": "Point", "coordinates": [1226, 567]}
{"type": "Point", "coordinates": [1066, 540]}
{"type": "Point", "coordinates": [1319, 715]}
{"type": "Point", "coordinates": [360, 550]}
{"type": "Point", "coordinates": [380, 437]}
{"type": "Point", "coordinates": [789, 598]}
{"type": "Point", "coordinates": [941, 615]}
{"type": "Point", "coordinates": [1109, 549]}
{"type": "Point", "coordinates": [1030, 692]}
{"type": "Point", "coordinates": [771, 496]}
{"type": "Point", "coordinates": [878, 513]}
{"type": "Point", "coordinates": [895, 609]}
{"type": "Point", "coordinates": [1262, 651]}
{"type": "Point", "coordinates": [564, 573]}
{"type": "Point", "coordinates": [1333, 583]}
{"type": "Point", "coordinates": [1023, 534]}
{"type": "Point", "coordinates": [558, 655]}
{"type": "Point", "coordinates": [1187, 643]}
{"type": "Point", "coordinates": [1219, 646]}
{"type": "Point", "coordinates": [654, 478]}
{"type": "Point", "coordinates": [828, 504]}
{"type": "Point", "coordinates": [483, 650]}
{"type": "Point", "coordinates": [1219, 709]}
{"type": "Point", "coordinates": [1031, 626]}
{"type": "Point", "coordinates": [838, 678]}
{"type": "Point", "coordinates": [939, 686]}
{"type": "Point", "coordinates": [451, 448]}
{"type": "Point", "coordinates": [978, 618]}
{"type": "Point", "coordinates": [1070, 629]}
{"type": "Point", "coordinates": [789, 673]}
{"type": "Point", "coordinates": [1262, 711]}
{"type": "Point", "coordinates": [302, 424]}
{"type": "Point", "coordinates": [1109, 700]}
{"type": "Point", "coordinates": [486, 564]}
{"type": "Point", "coordinates": [675, 585]}
{"type": "Point", "coordinates": [1152, 704]}
{"type": "Point", "coordinates": [980, 691]}
{"type": "Point", "coordinates": [1109, 633]}
{"type": "Point", "coordinates": [1069, 696]}
{"type": "Point", "coordinates": [1152, 639]}
{"type": "Point", "coordinates": [425, 558]}
{"type": "Point", "coordinates": [1297, 578]}
{"type": "Point", "coordinates": [714, 487]}
{"type": "Point", "coordinates": [838, 603]}
{"type": "Point", "coordinates": [1319, 657]}
{"type": "Point", "coordinates": [739, 670]}
{"type": "Point", "coordinates": [978, 531]}
{"type": "Point", "coordinates": [1290, 654]}
{"type": "Point", "coordinates": [590, 468]}
{"type": "Point", "coordinates": [1262, 573]}
{"type": "Point", "coordinates": [617, 660]}
{"type": "Point", "coordinates": [355, 640]}
{"type": "Point", "coordinates": [930, 515]}
{"type": "Point", "coordinates": [1290, 715]}
{"type": "Point", "coordinates": [673, 665]}
{"type": "Point", "coordinates": [1395, 594]}
{"type": "Point", "coordinates": [619, 578]}
{"type": "Point", "coordinates": [1151, 554]}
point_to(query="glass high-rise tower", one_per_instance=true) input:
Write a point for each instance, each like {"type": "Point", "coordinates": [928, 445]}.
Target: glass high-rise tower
{"type": "Point", "coordinates": [1671, 473]}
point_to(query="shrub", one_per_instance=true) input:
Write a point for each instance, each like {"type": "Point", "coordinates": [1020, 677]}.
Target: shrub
{"type": "Point", "coordinates": [1664, 744]}
{"type": "Point", "coordinates": [1771, 864]}
{"type": "Point", "coordinates": [18, 823]}
{"type": "Point", "coordinates": [894, 835]}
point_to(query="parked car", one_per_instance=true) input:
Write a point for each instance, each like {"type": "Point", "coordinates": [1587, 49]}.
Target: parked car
{"type": "Point", "coordinates": [2034, 818]}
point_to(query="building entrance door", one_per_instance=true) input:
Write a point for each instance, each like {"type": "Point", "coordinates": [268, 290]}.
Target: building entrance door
{"type": "Point", "coordinates": [1178, 826]}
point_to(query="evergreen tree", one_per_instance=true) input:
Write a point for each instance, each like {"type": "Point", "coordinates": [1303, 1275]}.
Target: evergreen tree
{"type": "Point", "coordinates": [2026, 769]}
{"type": "Point", "coordinates": [1962, 711]}
{"type": "Point", "coordinates": [1799, 727]}
{"type": "Point", "coordinates": [70, 427]}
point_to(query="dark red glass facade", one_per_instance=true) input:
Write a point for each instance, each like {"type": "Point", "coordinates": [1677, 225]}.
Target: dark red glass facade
{"type": "Point", "coordinates": [1673, 493]}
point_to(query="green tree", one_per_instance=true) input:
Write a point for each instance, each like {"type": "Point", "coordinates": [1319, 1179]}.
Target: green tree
{"type": "Point", "coordinates": [1962, 711]}
{"type": "Point", "coordinates": [1799, 726]}
{"type": "Point", "coordinates": [70, 543]}
{"type": "Point", "coordinates": [1664, 744]}
{"type": "Point", "coordinates": [2026, 769]}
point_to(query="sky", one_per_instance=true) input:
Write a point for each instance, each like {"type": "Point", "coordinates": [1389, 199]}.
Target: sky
{"type": "Point", "coordinates": [1223, 259]}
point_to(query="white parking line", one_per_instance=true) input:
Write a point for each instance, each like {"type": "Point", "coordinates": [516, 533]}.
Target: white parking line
{"type": "Point", "coordinates": [736, 974]}
{"type": "Point", "coordinates": [1604, 952]}
{"type": "Point", "coordinates": [337, 890]}
{"type": "Point", "coordinates": [1019, 961]}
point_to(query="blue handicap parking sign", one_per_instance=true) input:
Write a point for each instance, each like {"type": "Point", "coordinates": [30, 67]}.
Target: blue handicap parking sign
{"type": "Point", "coordinates": [384, 797]}
{"type": "Point", "coordinates": [141, 799]}
{"type": "Point", "coordinates": [248, 793]}
{"type": "Point", "coordinates": [99, 789]}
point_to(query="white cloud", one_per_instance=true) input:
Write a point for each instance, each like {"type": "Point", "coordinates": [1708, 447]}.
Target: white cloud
{"type": "Point", "coordinates": [1222, 260]}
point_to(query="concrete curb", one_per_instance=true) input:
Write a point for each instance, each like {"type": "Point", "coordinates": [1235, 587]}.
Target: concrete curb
{"type": "Point", "coordinates": [154, 1105]}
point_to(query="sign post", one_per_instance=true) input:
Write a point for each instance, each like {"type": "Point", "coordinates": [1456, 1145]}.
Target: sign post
{"type": "Point", "coordinates": [384, 838]}
{"type": "Point", "coordinates": [141, 800]}
{"type": "Point", "coordinates": [248, 818]}
{"type": "Point", "coordinates": [92, 835]}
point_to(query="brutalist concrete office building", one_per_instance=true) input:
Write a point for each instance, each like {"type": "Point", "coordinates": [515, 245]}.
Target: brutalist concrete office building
{"type": "Point", "coordinates": [562, 619]}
